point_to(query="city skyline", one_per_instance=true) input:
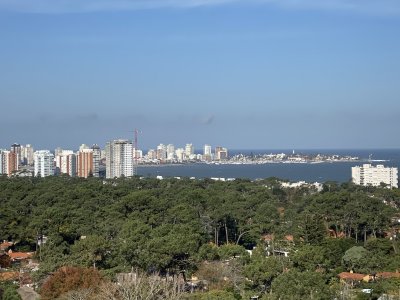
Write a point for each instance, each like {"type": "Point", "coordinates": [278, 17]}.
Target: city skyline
{"type": "Point", "coordinates": [245, 74]}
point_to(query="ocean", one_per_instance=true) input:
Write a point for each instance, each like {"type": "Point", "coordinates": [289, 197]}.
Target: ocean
{"type": "Point", "coordinates": [309, 172]}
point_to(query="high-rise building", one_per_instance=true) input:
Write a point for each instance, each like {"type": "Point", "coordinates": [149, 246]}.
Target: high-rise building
{"type": "Point", "coordinates": [57, 151]}
{"type": "Point", "coordinates": [119, 159]}
{"type": "Point", "coordinates": [88, 161]}
{"type": "Point", "coordinates": [96, 160]}
{"type": "Point", "coordinates": [137, 153]}
{"type": "Point", "coordinates": [44, 163]}
{"type": "Point", "coordinates": [370, 175]}
{"type": "Point", "coordinates": [180, 154]}
{"type": "Point", "coordinates": [66, 162]}
{"type": "Point", "coordinates": [27, 155]}
{"type": "Point", "coordinates": [221, 153]}
{"type": "Point", "coordinates": [207, 154]}
{"type": "Point", "coordinates": [16, 148]}
{"type": "Point", "coordinates": [170, 151]}
{"type": "Point", "coordinates": [84, 163]}
{"type": "Point", "coordinates": [8, 162]}
{"type": "Point", "coordinates": [151, 154]}
{"type": "Point", "coordinates": [189, 150]}
{"type": "Point", "coordinates": [161, 152]}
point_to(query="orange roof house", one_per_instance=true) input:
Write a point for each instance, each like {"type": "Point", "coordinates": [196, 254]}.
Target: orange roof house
{"type": "Point", "coordinates": [16, 256]}
{"type": "Point", "coordinates": [5, 245]}
{"type": "Point", "coordinates": [354, 277]}
{"type": "Point", "coordinates": [386, 275]}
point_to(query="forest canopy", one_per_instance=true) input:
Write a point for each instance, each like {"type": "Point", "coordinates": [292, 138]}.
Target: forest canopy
{"type": "Point", "coordinates": [174, 226]}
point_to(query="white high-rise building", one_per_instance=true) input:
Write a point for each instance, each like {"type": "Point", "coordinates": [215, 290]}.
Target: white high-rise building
{"type": "Point", "coordinates": [207, 153]}
{"type": "Point", "coordinates": [44, 163]}
{"type": "Point", "coordinates": [161, 152]}
{"type": "Point", "coordinates": [189, 150]}
{"type": "Point", "coordinates": [370, 175]}
{"type": "Point", "coordinates": [207, 150]}
{"type": "Point", "coordinates": [119, 159]}
{"type": "Point", "coordinates": [151, 154]}
{"type": "Point", "coordinates": [180, 154]}
{"type": "Point", "coordinates": [27, 155]}
{"type": "Point", "coordinates": [170, 151]}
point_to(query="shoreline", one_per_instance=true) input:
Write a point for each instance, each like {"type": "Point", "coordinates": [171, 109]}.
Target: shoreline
{"type": "Point", "coordinates": [257, 163]}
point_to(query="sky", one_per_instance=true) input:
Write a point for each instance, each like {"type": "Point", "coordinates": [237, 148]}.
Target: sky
{"type": "Point", "coordinates": [245, 74]}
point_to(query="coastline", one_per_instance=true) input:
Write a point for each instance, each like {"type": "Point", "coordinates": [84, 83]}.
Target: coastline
{"type": "Point", "coordinates": [257, 163]}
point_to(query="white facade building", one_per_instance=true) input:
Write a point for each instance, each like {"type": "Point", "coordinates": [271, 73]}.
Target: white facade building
{"type": "Point", "coordinates": [119, 159]}
{"type": "Point", "coordinates": [44, 163]}
{"type": "Point", "coordinates": [189, 150]}
{"type": "Point", "coordinates": [27, 154]}
{"type": "Point", "coordinates": [162, 152]}
{"type": "Point", "coordinates": [370, 175]}
{"type": "Point", "coordinates": [207, 153]}
{"type": "Point", "coordinates": [207, 150]}
{"type": "Point", "coordinates": [180, 154]}
{"type": "Point", "coordinates": [170, 151]}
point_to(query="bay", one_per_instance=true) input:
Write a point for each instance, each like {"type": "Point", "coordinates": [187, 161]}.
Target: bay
{"type": "Point", "coordinates": [309, 172]}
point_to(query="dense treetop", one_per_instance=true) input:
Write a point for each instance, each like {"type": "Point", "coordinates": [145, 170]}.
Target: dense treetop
{"type": "Point", "coordinates": [173, 226]}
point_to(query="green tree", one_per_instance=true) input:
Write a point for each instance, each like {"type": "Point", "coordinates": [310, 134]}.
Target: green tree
{"type": "Point", "coordinates": [300, 285]}
{"type": "Point", "coordinates": [355, 258]}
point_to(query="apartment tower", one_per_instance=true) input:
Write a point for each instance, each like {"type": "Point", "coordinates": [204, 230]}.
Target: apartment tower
{"type": "Point", "coordinates": [119, 159]}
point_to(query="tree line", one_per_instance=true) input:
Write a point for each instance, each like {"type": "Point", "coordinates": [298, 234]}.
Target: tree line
{"type": "Point", "coordinates": [185, 227]}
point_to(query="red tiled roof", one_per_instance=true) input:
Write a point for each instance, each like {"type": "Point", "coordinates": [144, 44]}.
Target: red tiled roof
{"type": "Point", "coordinates": [19, 255]}
{"type": "Point", "coordinates": [387, 275]}
{"type": "Point", "coordinates": [351, 276]}
{"type": "Point", "coordinates": [5, 245]}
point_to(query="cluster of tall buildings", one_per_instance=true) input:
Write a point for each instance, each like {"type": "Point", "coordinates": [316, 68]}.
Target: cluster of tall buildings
{"type": "Point", "coordinates": [83, 163]}
{"type": "Point", "coordinates": [119, 157]}
{"type": "Point", "coordinates": [16, 156]}
{"type": "Point", "coordinates": [168, 153]}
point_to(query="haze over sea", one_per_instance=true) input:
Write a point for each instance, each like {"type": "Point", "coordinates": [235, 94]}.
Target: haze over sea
{"type": "Point", "coordinates": [310, 172]}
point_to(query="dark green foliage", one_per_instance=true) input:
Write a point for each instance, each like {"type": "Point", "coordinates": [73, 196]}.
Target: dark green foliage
{"type": "Point", "coordinates": [173, 226]}
{"type": "Point", "coordinates": [261, 270]}
{"type": "Point", "coordinates": [8, 291]}
{"type": "Point", "coordinates": [301, 285]}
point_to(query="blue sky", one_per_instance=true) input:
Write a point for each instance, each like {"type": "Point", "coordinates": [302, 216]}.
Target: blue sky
{"type": "Point", "coordinates": [262, 74]}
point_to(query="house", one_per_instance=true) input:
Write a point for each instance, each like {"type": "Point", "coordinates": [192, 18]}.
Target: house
{"type": "Point", "coordinates": [387, 275]}
{"type": "Point", "coordinates": [18, 256]}
{"type": "Point", "coordinates": [5, 245]}
{"type": "Point", "coordinates": [280, 247]}
{"type": "Point", "coordinates": [354, 278]}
